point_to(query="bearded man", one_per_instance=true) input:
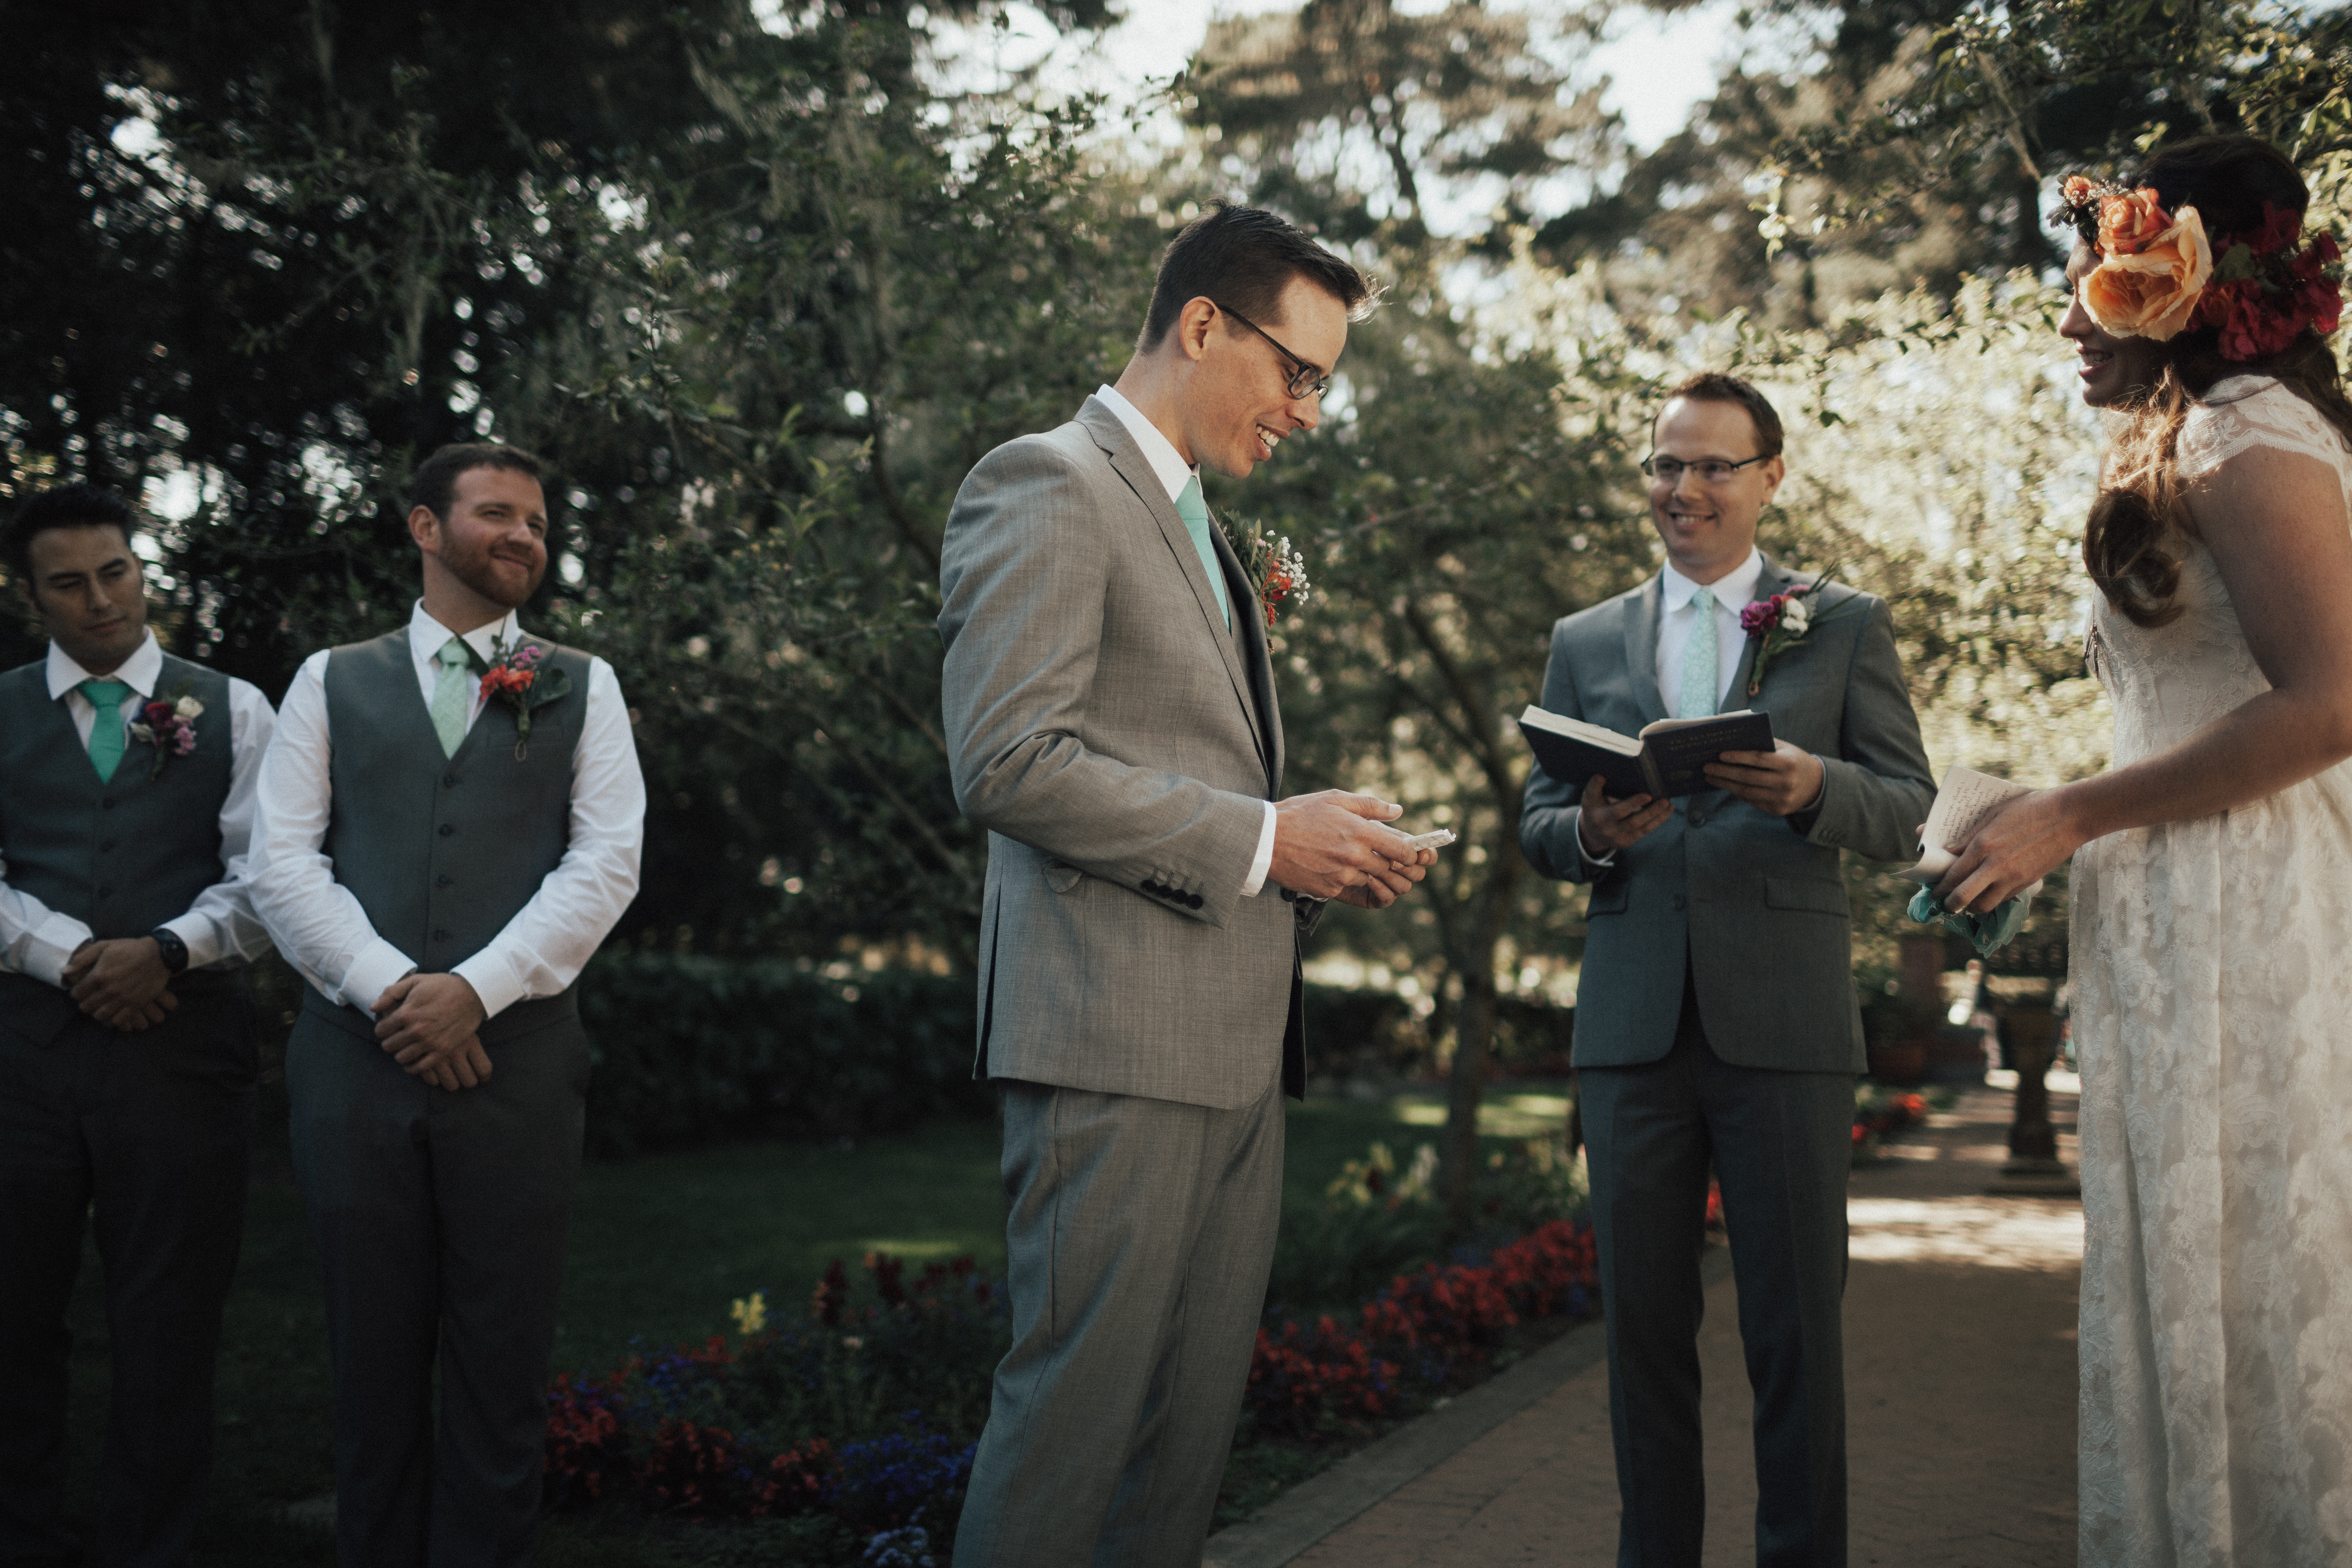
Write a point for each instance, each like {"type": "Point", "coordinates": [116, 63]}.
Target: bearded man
{"type": "Point", "coordinates": [450, 821]}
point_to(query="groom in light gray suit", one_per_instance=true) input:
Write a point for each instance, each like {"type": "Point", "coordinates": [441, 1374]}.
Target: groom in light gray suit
{"type": "Point", "coordinates": [1110, 715]}
{"type": "Point", "coordinates": [1715, 1022]}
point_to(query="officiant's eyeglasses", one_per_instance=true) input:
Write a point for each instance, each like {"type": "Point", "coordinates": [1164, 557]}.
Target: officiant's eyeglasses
{"type": "Point", "coordinates": [1712, 470]}
{"type": "Point", "coordinates": [1308, 379]}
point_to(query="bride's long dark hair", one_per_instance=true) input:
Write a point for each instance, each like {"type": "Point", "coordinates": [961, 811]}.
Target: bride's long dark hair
{"type": "Point", "coordinates": [2131, 546]}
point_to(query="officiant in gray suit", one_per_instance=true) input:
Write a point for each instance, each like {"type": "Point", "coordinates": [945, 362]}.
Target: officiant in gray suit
{"type": "Point", "coordinates": [1110, 716]}
{"type": "Point", "coordinates": [1716, 1025]}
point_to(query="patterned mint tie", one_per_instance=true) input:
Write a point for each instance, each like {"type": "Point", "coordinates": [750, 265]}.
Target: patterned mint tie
{"type": "Point", "coordinates": [450, 695]}
{"type": "Point", "coordinates": [1195, 513]}
{"type": "Point", "coordinates": [107, 739]}
{"type": "Point", "coordinates": [1697, 697]}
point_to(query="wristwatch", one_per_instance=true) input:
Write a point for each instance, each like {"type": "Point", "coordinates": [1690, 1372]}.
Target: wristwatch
{"type": "Point", "coordinates": [170, 948]}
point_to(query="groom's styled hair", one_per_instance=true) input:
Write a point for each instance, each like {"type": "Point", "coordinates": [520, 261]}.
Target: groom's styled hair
{"type": "Point", "coordinates": [1242, 259]}
{"type": "Point", "coordinates": [63, 506]}
{"type": "Point", "coordinates": [433, 486]}
{"type": "Point", "coordinates": [1715, 386]}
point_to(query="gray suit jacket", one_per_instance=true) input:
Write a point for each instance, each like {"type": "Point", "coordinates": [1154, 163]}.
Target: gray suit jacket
{"type": "Point", "coordinates": [1117, 741]}
{"type": "Point", "coordinates": [1754, 901]}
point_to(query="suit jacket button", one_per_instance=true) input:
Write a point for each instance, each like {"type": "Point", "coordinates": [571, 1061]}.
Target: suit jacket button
{"type": "Point", "coordinates": [449, 781]}
{"type": "Point", "coordinates": [106, 803]}
{"type": "Point", "coordinates": [442, 881]}
{"type": "Point", "coordinates": [446, 830]}
{"type": "Point", "coordinates": [1680, 901]}
{"type": "Point", "coordinates": [105, 845]}
{"type": "Point", "coordinates": [1698, 819]}
{"type": "Point", "coordinates": [440, 936]}
{"type": "Point", "coordinates": [1193, 900]}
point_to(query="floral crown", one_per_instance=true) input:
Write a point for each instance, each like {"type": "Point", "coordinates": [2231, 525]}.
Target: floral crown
{"type": "Point", "coordinates": [2158, 272]}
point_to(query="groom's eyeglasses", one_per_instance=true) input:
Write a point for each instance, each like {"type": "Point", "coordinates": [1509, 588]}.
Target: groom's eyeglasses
{"type": "Point", "coordinates": [1712, 470]}
{"type": "Point", "coordinates": [1308, 379]}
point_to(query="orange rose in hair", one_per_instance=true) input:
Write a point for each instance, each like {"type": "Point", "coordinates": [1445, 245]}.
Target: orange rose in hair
{"type": "Point", "coordinates": [2152, 292]}
{"type": "Point", "coordinates": [2129, 223]}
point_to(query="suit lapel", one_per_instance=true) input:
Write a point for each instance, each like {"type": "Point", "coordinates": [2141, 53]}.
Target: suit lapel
{"type": "Point", "coordinates": [1131, 466]}
{"type": "Point", "coordinates": [1641, 649]}
{"type": "Point", "coordinates": [1251, 623]}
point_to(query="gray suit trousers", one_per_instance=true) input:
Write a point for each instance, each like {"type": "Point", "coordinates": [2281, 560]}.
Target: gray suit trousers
{"type": "Point", "coordinates": [1140, 1235]}
{"type": "Point", "coordinates": [440, 1217]}
{"type": "Point", "coordinates": [1781, 1144]}
{"type": "Point", "coordinates": [143, 1139]}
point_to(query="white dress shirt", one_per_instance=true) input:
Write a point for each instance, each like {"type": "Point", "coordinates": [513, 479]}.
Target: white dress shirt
{"type": "Point", "coordinates": [1677, 620]}
{"type": "Point", "coordinates": [319, 923]}
{"type": "Point", "coordinates": [220, 927]}
{"type": "Point", "coordinates": [1168, 467]}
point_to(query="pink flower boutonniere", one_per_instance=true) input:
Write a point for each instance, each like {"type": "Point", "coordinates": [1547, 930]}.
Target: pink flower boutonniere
{"type": "Point", "coordinates": [1779, 624]}
{"type": "Point", "coordinates": [1276, 570]}
{"type": "Point", "coordinates": [515, 679]}
{"type": "Point", "coordinates": [168, 724]}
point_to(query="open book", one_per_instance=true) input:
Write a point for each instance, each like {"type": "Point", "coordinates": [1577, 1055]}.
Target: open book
{"type": "Point", "coordinates": [1663, 760]}
{"type": "Point", "coordinates": [1967, 801]}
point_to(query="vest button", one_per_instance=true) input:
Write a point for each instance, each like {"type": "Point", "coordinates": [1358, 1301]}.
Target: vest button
{"type": "Point", "coordinates": [449, 781]}
{"type": "Point", "coordinates": [446, 830]}
{"type": "Point", "coordinates": [104, 844]}
{"type": "Point", "coordinates": [442, 881]}
{"type": "Point", "coordinates": [106, 803]}
{"type": "Point", "coordinates": [1680, 901]}
{"type": "Point", "coordinates": [440, 936]}
{"type": "Point", "coordinates": [106, 889]}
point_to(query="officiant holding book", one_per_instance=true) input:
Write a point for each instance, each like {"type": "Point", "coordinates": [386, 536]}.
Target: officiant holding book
{"type": "Point", "coordinates": [1717, 1026]}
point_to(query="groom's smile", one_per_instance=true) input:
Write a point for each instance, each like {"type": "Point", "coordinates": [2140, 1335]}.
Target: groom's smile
{"type": "Point", "coordinates": [1709, 524]}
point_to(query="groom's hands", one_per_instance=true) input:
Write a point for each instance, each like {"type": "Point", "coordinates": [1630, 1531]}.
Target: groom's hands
{"type": "Point", "coordinates": [1783, 780]}
{"type": "Point", "coordinates": [1603, 825]}
{"type": "Point", "coordinates": [427, 1023]}
{"type": "Point", "coordinates": [1330, 845]}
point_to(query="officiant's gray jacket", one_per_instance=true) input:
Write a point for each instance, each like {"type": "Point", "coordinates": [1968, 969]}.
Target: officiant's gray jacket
{"type": "Point", "coordinates": [1119, 740]}
{"type": "Point", "coordinates": [1754, 903]}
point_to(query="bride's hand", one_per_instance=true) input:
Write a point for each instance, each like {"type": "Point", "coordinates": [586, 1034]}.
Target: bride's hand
{"type": "Point", "coordinates": [2023, 842]}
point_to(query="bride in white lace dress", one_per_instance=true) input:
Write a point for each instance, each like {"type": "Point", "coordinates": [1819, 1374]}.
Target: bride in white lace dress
{"type": "Point", "coordinates": [2213, 896]}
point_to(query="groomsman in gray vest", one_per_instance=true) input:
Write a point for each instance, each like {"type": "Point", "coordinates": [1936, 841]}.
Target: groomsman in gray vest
{"type": "Point", "coordinates": [1111, 722]}
{"type": "Point", "coordinates": [451, 823]}
{"type": "Point", "coordinates": [1716, 1023]}
{"type": "Point", "coordinates": [126, 1036]}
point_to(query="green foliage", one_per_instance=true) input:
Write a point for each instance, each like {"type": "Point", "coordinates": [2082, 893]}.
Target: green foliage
{"type": "Point", "coordinates": [700, 1050]}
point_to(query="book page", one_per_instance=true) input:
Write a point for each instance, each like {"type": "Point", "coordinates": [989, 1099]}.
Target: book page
{"type": "Point", "coordinates": [1607, 740]}
{"type": "Point", "coordinates": [1967, 799]}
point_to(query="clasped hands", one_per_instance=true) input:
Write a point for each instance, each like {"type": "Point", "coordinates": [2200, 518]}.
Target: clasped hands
{"type": "Point", "coordinates": [428, 1023]}
{"type": "Point", "coordinates": [1783, 780]}
{"type": "Point", "coordinates": [122, 983]}
{"type": "Point", "coordinates": [1335, 845]}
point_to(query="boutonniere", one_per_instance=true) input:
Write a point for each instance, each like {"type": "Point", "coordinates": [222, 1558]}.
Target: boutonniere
{"type": "Point", "coordinates": [1779, 624]}
{"type": "Point", "coordinates": [1276, 573]}
{"type": "Point", "coordinates": [515, 678]}
{"type": "Point", "coordinates": [168, 724]}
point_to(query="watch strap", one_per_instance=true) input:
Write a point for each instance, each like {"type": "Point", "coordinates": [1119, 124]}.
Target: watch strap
{"type": "Point", "coordinates": [170, 948]}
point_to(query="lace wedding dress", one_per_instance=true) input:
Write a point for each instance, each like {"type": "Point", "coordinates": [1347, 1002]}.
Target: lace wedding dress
{"type": "Point", "coordinates": [2212, 964]}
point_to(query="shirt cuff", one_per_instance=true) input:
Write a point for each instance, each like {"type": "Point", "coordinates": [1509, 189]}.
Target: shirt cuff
{"type": "Point", "coordinates": [199, 936]}
{"type": "Point", "coordinates": [377, 966]}
{"type": "Point", "coordinates": [494, 984]}
{"type": "Point", "coordinates": [1591, 862]}
{"type": "Point", "coordinates": [48, 949]}
{"type": "Point", "coordinates": [1264, 860]}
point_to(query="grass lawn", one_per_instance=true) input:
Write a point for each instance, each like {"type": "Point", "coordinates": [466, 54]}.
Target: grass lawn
{"type": "Point", "coordinates": [661, 1244]}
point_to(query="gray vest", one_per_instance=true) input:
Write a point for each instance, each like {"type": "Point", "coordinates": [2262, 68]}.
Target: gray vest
{"type": "Point", "coordinates": [442, 852]}
{"type": "Point", "coordinates": [121, 856]}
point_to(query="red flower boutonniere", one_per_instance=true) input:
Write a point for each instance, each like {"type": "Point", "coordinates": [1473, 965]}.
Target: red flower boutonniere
{"type": "Point", "coordinates": [1780, 623]}
{"type": "Point", "coordinates": [516, 679]}
{"type": "Point", "coordinates": [1276, 570]}
{"type": "Point", "coordinates": [168, 724]}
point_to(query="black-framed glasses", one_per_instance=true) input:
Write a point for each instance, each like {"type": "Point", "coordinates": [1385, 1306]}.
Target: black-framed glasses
{"type": "Point", "coordinates": [1712, 470]}
{"type": "Point", "coordinates": [1308, 379]}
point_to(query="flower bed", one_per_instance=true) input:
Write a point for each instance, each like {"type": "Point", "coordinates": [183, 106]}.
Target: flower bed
{"type": "Point", "coordinates": [859, 1418]}
{"type": "Point", "coordinates": [1879, 1115]}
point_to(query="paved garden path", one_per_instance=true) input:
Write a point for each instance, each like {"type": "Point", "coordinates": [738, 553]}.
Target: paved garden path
{"type": "Point", "coordinates": [1959, 1320]}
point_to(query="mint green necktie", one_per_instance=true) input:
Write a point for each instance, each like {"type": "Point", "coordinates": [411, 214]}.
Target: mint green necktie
{"type": "Point", "coordinates": [1700, 653]}
{"type": "Point", "coordinates": [450, 698]}
{"type": "Point", "coordinates": [107, 739]}
{"type": "Point", "coordinates": [1195, 513]}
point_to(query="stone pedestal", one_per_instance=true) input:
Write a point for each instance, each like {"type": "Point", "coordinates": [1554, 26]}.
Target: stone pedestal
{"type": "Point", "coordinates": [2033, 1168]}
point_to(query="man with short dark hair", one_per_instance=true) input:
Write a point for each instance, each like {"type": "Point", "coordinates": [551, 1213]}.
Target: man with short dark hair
{"type": "Point", "coordinates": [1111, 720]}
{"type": "Point", "coordinates": [450, 824]}
{"type": "Point", "coordinates": [1715, 1025]}
{"type": "Point", "coordinates": [126, 1041]}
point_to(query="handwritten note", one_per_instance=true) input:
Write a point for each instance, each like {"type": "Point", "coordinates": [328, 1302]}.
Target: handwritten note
{"type": "Point", "coordinates": [1967, 801]}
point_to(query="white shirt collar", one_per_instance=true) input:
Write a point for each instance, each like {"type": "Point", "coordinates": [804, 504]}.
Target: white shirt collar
{"type": "Point", "coordinates": [1158, 450]}
{"type": "Point", "coordinates": [426, 637]}
{"type": "Point", "coordinates": [139, 672]}
{"type": "Point", "coordinates": [1732, 590]}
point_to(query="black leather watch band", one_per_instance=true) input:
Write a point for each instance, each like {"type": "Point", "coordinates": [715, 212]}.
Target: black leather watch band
{"type": "Point", "coordinates": [175, 951]}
